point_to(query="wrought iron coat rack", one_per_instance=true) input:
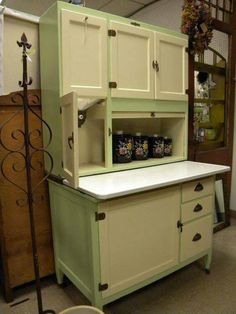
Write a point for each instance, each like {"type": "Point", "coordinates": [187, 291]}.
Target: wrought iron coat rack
{"type": "Point", "coordinates": [27, 152]}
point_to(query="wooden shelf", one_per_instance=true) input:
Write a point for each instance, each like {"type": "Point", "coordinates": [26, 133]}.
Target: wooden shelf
{"type": "Point", "coordinates": [202, 67]}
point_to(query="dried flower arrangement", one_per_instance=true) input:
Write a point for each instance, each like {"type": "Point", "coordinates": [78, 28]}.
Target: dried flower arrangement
{"type": "Point", "coordinates": [197, 23]}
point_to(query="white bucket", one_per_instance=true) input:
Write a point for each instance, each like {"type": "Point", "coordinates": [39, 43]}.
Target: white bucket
{"type": "Point", "coordinates": [82, 309]}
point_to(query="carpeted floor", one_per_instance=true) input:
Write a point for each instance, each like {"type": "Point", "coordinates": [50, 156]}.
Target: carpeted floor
{"type": "Point", "coordinates": [187, 291]}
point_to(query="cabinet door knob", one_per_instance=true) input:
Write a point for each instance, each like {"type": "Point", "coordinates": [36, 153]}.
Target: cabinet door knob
{"type": "Point", "coordinates": [198, 208]}
{"type": "Point", "coordinates": [199, 187]}
{"type": "Point", "coordinates": [197, 237]}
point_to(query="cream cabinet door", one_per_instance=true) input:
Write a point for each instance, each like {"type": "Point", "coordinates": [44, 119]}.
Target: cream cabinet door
{"type": "Point", "coordinates": [83, 54]}
{"type": "Point", "coordinates": [171, 79]}
{"type": "Point", "coordinates": [138, 237]}
{"type": "Point", "coordinates": [70, 154]}
{"type": "Point", "coordinates": [132, 51]}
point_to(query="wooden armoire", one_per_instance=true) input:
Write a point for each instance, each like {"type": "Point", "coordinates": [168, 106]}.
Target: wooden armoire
{"type": "Point", "coordinates": [15, 238]}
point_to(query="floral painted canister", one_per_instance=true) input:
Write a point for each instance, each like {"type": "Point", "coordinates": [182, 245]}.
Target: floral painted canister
{"type": "Point", "coordinates": [121, 147]}
{"type": "Point", "coordinates": [140, 147]}
{"type": "Point", "coordinates": [156, 146]}
{"type": "Point", "coordinates": [167, 146]}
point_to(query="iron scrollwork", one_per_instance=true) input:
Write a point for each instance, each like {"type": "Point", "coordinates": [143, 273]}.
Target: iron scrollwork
{"type": "Point", "coordinates": [21, 157]}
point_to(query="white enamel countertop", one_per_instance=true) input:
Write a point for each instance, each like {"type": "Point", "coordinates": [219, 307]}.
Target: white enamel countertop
{"type": "Point", "coordinates": [110, 185]}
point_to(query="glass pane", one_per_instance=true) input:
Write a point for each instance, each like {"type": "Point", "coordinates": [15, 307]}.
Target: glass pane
{"type": "Point", "coordinates": [210, 93]}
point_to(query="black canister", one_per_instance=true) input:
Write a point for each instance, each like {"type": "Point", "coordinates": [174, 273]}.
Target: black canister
{"type": "Point", "coordinates": [156, 146]}
{"type": "Point", "coordinates": [140, 147]}
{"type": "Point", "coordinates": [121, 147]}
{"type": "Point", "coordinates": [167, 146]}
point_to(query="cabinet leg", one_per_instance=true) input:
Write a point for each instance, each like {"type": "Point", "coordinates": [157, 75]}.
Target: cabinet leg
{"type": "Point", "coordinates": [60, 276]}
{"type": "Point", "coordinates": [8, 294]}
{"type": "Point", "coordinates": [208, 262]}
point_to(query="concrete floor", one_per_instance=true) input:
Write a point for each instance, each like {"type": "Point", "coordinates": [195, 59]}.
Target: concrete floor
{"type": "Point", "coordinates": [187, 291]}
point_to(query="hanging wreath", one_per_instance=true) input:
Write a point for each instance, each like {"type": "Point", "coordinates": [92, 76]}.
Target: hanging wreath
{"type": "Point", "coordinates": [197, 23]}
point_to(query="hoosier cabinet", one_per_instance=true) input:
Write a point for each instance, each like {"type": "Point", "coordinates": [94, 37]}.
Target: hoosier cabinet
{"type": "Point", "coordinates": [127, 207]}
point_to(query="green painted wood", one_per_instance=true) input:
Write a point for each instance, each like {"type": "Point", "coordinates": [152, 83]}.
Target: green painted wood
{"type": "Point", "coordinates": [76, 244]}
{"type": "Point", "coordinates": [72, 235]}
{"type": "Point", "coordinates": [145, 105]}
{"type": "Point", "coordinates": [49, 66]}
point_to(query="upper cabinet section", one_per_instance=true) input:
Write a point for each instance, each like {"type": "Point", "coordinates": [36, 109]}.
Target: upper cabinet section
{"type": "Point", "coordinates": [83, 54]}
{"type": "Point", "coordinates": [147, 64]}
{"type": "Point", "coordinates": [132, 53]}
{"type": "Point", "coordinates": [171, 67]}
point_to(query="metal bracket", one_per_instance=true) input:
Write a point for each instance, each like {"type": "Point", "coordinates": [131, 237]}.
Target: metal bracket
{"type": "Point", "coordinates": [102, 287]}
{"type": "Point", "coordinates": [135, 23]}
{"type": "Point", "coordinates": [111, 33]}
{"type": "Point", "coordinates": [81, 117]}
{"type": "Point", "coordinates": [112, 85]}
{"type": "Point", "coordinates": [100, 216]}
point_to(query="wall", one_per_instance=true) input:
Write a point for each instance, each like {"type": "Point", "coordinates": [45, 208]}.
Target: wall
{"type": "Point", "coordinates": [12, 53]}
{"type": "Point", "coordinates": [165, 13]}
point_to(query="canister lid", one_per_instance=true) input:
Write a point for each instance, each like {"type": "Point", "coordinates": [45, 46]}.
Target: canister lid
{"type": "Point", "coordinates": [120, 132]}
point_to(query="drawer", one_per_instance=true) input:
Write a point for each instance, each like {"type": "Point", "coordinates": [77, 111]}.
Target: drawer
{"type": "Point", "coordinates": [197, 208]}
{"type": "Point", "coordinates": [197, 189]}
{"type": "Point", "coordinates": [196, 237]}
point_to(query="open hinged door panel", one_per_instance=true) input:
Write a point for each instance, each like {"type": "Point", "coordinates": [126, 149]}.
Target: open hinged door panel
{"type": "Point", "coordinates": [70, 154]}
{"type": "Point", "coordinates": [172, 75]}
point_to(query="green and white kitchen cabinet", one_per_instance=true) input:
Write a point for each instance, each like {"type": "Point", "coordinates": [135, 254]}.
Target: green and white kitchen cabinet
{"type": "Point", "coordinates": [121, 231]}
{"type": "Point", "coordinates": [134, 74]}
{"type": "Point", "coordinates": [116, 231]}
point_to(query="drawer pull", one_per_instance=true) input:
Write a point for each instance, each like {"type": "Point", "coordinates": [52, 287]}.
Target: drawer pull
{"type": "Point", "coordinates": [197, 237]}
{"type": "Point", "coordinates": [198, 208]}
{"type": "Point", "coordinates": [199, 187]}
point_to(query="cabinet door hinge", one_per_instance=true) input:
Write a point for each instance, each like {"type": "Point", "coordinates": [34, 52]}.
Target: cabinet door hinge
{"type": "Point", "coordinates": [186, 91]}
{"type": "Point", "coordinates": [102, 287]}
{"type": "Point", "coordinates": [112, 85]}
{"type": "Point", "coordinates": [62, 164]}
{"type": "Point", "coordinates": [111, 32]}
{"type": "Point", "coordinates": [135, 23]}
{"type": "Point", "coordinates": [187, 49]}
{"type": "Point", "coordinates": [180, 225]}
{"type": "Point", "coordinates": [60, 110]}
{"type": "Point", "coordinates": [100, 216]}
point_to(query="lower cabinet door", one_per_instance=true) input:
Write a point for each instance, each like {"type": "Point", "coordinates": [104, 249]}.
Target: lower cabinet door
{"type": "Point", "coordinates": [138, 237]}
{"type": "Point", "coordinates": [196, 237]}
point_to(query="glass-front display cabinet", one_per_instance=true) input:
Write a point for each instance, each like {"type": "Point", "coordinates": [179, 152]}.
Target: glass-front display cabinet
{"type": "Point", "coordinates": [210, 99]}
{"type": "Point", "coordinates": [211, 108]}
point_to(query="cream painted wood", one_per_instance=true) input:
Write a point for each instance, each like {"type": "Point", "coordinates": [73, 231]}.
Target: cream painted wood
{"type": "Point", "coordinates": [197, 208]}
{"type": "Point", "coordinates": [70, 154]}
{"type": "Point", "coordinates": [171, 80]}
{"type": "Point", "coordinates": [139, 237]}
{"type": "Point", "coordinates": [83, 54]}
{"type": "Point", "coordinates": [203, 227]}
{"type": "Point", "coordinates": [189, 191]}
{"type": "Point", "coordinates": [132, 53]}
{"type": "Point", "coordinates": [172, 125]}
